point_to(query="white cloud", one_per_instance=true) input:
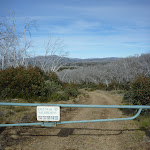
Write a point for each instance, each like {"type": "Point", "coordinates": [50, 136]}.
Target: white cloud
{"type": "Point", "coordinates": [93, 25]}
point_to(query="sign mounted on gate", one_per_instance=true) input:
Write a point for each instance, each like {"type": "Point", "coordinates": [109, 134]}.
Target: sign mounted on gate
{"type": "Point", "coordinates": [48, 113]}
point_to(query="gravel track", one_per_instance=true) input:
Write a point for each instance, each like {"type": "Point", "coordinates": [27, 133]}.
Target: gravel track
{"type": "Point", "coordinates": [121, 135]}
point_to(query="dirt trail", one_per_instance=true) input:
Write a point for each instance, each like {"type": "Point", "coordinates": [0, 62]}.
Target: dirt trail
{"type": "Point", "coordinates": [120, 135]}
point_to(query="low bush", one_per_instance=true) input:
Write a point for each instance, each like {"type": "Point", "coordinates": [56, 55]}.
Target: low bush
{"type": "Point", "coordinates": [59, 97]}
{"type": "Point", "coordinates": [70, 89]}
{"type": "Point", "coordinates": [139, 93]}
{"type": "Point", "coordinates": [69, 85]}
{"type": "Point", "coordinates": [127, 98]}
{"type": "Point", "coordinates": [141, 90]}
{"type": "Point", "coordinates": [101, 86]}
{"type": "Point", "coordinates": [113, 86]}
{"type": "Point", "coordinates": [52, 76]}
{"type": "Point", "coordinates": [92, 86]}
{"type": "Point", "coordinates": [49, 87]}
{"type": "Point", "coordinates": [32, 84]}
{"type": "Point", "coordinates": [144, 121]}
{"type": "Point", "coordinates": [73, 92]}
{"type": "Point", "coordinates": [21, 82]}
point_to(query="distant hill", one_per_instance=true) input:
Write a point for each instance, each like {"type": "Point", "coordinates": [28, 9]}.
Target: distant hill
{"type": "Point", "coordinates": [87, 60]}
{"type": "Point", "coordinates": [70, 61]}
{"type": "Point", "coordinates": [75, 60]}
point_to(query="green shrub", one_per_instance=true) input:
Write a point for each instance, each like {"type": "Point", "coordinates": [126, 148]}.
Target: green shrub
{"type": "Point", "coordinates": [21, 82]}
{"type": "Point", "coordinates": [32, 84]}
{"type": "Point", "coordinates": [73, 92]}
{"type": "Point", "coordinates": [52, 76]}
{"type": "Point", "coordinates": [139, 94]}
{"type": "Point", "coordinates": [125, 86]}
{"type": "Point", "coordinates": [59, 97]}
{"type": "Point", "coordinates": [50, 87]}
{"type": "Point", "coordinates": [144, 121]}
{"type": "Point", "coordinates": [141, 90]}
{"type": "Point", "coordinates": [113, 86]}
{"type": "Point", "coordinates": [5, 92]}
{"type": "Point", "coordinates": [92, 86]}
{"type": "Point", "coordinates": [101, 86]}
{"type": "Point", "coordinates": [69, 85]}
{"type": "Point", "coordinates": [127, 98]}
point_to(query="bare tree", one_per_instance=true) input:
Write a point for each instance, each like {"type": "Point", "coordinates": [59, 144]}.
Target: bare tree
{"type": "Point", "coordinates": [54, 55]}
{"type": "Point", "coordinates": [121, 71]}
{"type": "Point", "coordinates": [27, 26]}
{"type": "Point", "coordinates": [5, 43]}
{"type": "Point", "coordinates": [13, 43]}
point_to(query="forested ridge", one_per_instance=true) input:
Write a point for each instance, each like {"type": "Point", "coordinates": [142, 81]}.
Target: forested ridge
{"type": "Point", "coordinates": [120, 70]}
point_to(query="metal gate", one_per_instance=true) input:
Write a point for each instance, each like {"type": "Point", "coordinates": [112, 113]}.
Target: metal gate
{"type": "Point", "coordinates": [48, 108]}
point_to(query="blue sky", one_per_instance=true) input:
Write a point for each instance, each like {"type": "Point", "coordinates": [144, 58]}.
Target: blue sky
{"type": "Point", "coordinates": [89, 28]}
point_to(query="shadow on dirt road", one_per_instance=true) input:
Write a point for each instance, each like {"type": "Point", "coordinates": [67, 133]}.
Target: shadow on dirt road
{"type": "Point", "coordinates": [65, 132]}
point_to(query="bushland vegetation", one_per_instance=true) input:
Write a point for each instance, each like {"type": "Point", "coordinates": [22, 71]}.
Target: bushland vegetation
{"type": "Point", "coordinates": [32, 84]}
{"type": "Point", "coordinates": [54, 80]}
{"type": "Point", "coordinates": [121, 71]}
{"type": "Point", "coordinates": [131, 76]}
{"type": "Point", "coordinates": [139, 94]}
{"type": "Point", "coordinates": [19, 75]}
{"type": "Point", "coordinates": [15, 44]}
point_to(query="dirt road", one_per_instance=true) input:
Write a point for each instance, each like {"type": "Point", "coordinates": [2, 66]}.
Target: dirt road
{"type": "Point", "coordinates": [120, 135]}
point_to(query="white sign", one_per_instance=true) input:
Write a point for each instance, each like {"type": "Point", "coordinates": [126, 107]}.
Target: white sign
{"type": "Point", "coordinates": [48, 113]}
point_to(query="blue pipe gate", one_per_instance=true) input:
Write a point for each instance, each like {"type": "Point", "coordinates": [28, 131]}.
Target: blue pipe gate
{"type": "Point", "coordinates": [54, 123]}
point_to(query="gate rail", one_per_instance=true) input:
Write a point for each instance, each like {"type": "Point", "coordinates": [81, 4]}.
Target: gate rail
{"type": "Point", "coordinates": [53, 124]}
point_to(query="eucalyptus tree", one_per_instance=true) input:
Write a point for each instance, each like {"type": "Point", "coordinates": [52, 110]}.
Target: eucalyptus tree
{"type": "Point", "coordinates": [55, 54]}
{"type": "Point", "coordinates": [121, 71]}
{"type": "Point", "coordinates": [14, 43]}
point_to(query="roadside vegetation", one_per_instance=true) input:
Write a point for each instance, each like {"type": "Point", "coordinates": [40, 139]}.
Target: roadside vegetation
{"type": "Point", "coordinates": [129, 76]}
{"type": "Point", "coordinates": [54, 77]}
{"type": "Point", "coordinates": [33, 84]}
{"type": "Point", "coordinates": [139, 94]}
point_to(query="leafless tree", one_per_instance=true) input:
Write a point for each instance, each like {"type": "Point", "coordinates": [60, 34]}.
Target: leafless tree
{"type": "Point", "coordinates": [13, 43]}
{"type": "Point", "coordinates": [122, 70]}
{"type": "Point", "coordinates": [54, 55]}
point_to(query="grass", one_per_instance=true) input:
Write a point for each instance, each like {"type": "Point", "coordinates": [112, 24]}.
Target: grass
{"type": "Point", "coordinates": [144, 121]}
{"type": "Point", "coordinates": [11, 114]}
{"type": "Point", "coordinates": [117, 91]}
{"type": "Point", "coordinates": [22, 108]}
{"type": "Point", "coordinates": [18, 114]}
